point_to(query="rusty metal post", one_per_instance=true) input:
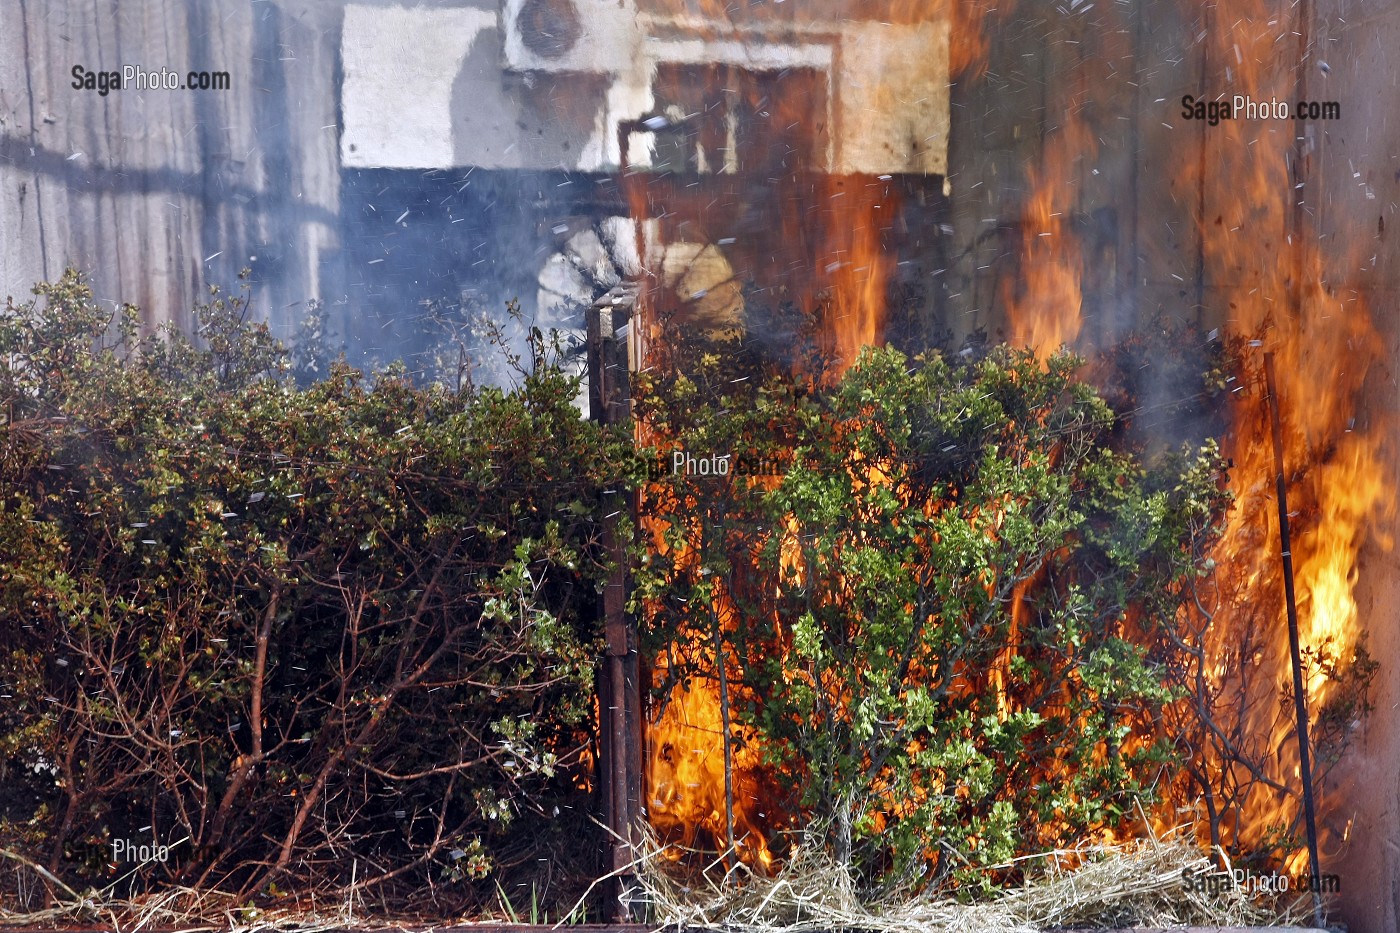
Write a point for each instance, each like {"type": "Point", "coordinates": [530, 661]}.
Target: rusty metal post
{"type": "Point", "coordinates": [619, 692]}
{"type": "Point", "coordinates": [1300, 706]}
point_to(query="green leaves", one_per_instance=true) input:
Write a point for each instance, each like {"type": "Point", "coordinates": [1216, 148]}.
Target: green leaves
{"type": "Point", "coordinates": [260, 589]}
{"type": "Point", "coordinates": [933, 604]}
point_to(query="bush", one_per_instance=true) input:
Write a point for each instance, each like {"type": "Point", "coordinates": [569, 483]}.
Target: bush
{"type": "Point", "coordinates": [297, 635]}
{"type": "Point", "coordinates": [948, 622]}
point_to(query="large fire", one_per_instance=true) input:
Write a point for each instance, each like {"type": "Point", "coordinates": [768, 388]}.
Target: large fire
{"type": "Point", "coordinates": [1257, 236]}
{"type": "Point", "coordinates": [1265, 281]}
{"type": "Point", "coordinates": [1265, 278]}
{"type": "Point", "coordinates": [703, 781]}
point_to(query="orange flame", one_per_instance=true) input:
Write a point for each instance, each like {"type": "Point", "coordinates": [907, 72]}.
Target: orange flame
{"type": "Point", "coordinates": [833, 224]}
{"type": "Point", "coordinates": [1043, 301]}
{"type": "Point", "coordinates": [857, 267]}
{"type": "Point", "coordinates": [1259, 248]}
{"type": "Point", "coordinates": [685, 773]}
{"type": "Point", "coordinates": [1325, 345]}
{"type": "Point", "coordinates": [1043, 309]}
{"type": "Point", "coordinates": [1258, 256]}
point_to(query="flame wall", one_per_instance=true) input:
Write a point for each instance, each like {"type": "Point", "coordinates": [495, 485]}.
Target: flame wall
{"type": "Point", "coordinates": [1273, 230]}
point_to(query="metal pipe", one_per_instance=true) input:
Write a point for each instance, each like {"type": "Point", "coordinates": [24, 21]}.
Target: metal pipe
{"type": "Point", "coordinates": [1300, 707]}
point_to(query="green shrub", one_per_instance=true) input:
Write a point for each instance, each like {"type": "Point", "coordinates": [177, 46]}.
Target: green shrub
{"type": "Point", "coordinates": [295, 634]}
{"type": "Point", "coordinates": [949, 620]}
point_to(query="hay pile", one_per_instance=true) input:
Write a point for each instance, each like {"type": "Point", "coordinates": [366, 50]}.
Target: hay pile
{"type": "Point", "coordinates": [185, 909]}
{"type": "Point", "coordinates": [1140, 883]}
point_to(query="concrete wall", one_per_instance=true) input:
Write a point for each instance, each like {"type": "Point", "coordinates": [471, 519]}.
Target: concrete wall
{"type": "Point", "coordinates": [156, 193]}
{"type": "Point", "coordinates": [442, 87]}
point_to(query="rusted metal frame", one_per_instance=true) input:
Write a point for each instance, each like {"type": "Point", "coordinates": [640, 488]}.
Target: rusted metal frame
{"type": "Point", "coordinates": [619, 693]}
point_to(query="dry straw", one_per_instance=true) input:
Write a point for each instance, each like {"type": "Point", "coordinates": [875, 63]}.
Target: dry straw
{"type": "Point", "coordinates": [182, 909]}
{"type": "Point", "coordinates": [1139, 883]}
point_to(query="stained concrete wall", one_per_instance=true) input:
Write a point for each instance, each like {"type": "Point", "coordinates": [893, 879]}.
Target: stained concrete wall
{"type": "Point", "coordinates": [444, 87]}
{"type": "Point", "coordinates": [157, 193]}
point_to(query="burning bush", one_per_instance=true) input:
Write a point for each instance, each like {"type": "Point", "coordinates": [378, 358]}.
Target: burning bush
{"type": "Point", "coordinates": [942, 638]}
{"type": "Point", "coordinates": [326, 638]}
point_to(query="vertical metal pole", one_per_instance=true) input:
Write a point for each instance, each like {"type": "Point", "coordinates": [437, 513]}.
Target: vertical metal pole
{"type": "Point", "coordinates": [619, 696]}
{"type": "Point", "coordinates": [1300, 707]}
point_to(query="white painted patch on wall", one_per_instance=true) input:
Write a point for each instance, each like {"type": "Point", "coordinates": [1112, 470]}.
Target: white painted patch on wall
{"type": "Point", "coordinates": [893, 89]}
{"type": "Point", "coordinates": [400, 69]}
{"type": "Point", "coordinates": [450, 88]}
